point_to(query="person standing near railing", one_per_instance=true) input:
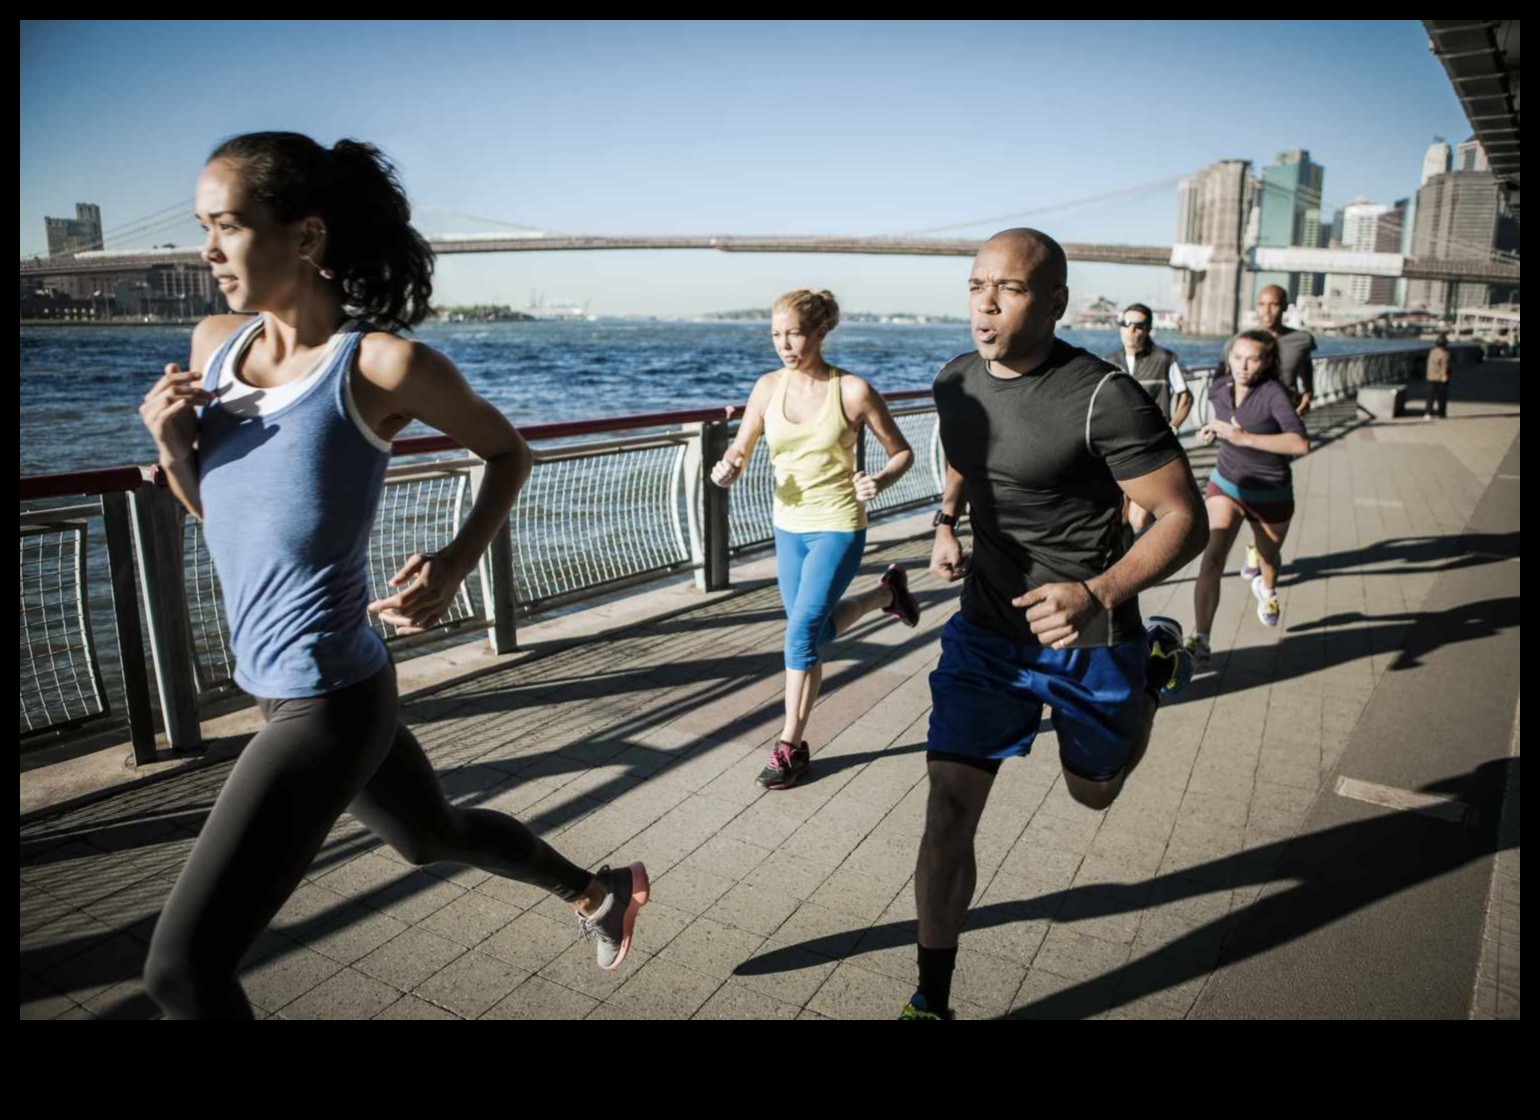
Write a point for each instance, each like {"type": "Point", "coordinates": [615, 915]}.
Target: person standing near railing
{"type": "Point", "coordinates": [1258, 432]}
{"type": "Point", "coordinates": [1159, 372]}
{"type": "Point", "coordinates": [1438, 380]}
{"type": "Point", "coordinates": [1296, 374]}
{"type": "Point", "coordinates": [810, 414]}
{"type": "Point", "coordinates": [278, 438]}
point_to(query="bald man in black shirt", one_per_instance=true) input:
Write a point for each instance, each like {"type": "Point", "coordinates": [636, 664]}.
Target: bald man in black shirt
{"type": "Point", "coordinates": [1042, 441]}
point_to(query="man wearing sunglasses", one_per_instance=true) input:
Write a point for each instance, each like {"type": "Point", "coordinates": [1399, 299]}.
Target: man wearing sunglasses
{"type": "Point", "coordinates": [1155, 368]}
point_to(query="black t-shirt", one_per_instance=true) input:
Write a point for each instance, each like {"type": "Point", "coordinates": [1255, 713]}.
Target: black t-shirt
{"type": "Point", "coordinates": [1041, 456]}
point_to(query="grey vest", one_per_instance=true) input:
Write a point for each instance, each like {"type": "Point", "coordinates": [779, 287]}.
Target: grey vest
{"type": "Point", "coordinates": [1152, 369]}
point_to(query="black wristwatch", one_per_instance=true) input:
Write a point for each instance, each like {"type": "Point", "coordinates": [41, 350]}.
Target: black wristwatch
{"type": "Point", "coordinates": [944, 518]}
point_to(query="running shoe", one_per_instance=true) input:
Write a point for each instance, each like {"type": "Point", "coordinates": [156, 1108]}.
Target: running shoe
{"type": "Point", "coordinates": [904, 607]}
{"type": "Point", "coordinates": [1202, 655]}
{"type": "Point", "coordinates": [610, 926]}
{"type": "Point", "coordinates": [1269, 609]}
{"type": "Point", "coordinates": [916, 1009]}
{"type": "Point", "coordinates": [785, 766]}
{"type": "Point", "coordinates": [1171, 665]}
{"type": "Point", "coordinates": [1252, 567]}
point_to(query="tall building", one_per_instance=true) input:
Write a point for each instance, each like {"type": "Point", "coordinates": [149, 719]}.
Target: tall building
{"type": "Point", "coordinates": [1211, 224]}
{"type": "Point", "coordinates": [1408, 208]}
{"type": "Point", "coordinates": [1435, 161]}
{"type": "Point", "coordinates": [1316, 235]}
{"type": "Point", "coordinates": [1367, 227]}
{"type": "Point", "coordinates": [1460, 214]}
{"type": "Point", "coordinates": [1288, 192]}
{"type": "Point", "coordinates": [77, 234]}
{"type": "Point", "coordinates": [1471, 156]}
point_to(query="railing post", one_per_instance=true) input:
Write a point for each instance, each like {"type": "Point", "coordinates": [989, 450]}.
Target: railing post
{"type": "Point", "coordinates": [125, 611]}
{"type": "Point", "coordinates": [498, 592]}
{"type": "Point", "coordinates": [716, 527]}
{"type": "Point", "coordinates": [693, 480]}
{"type": "Point", "coordinates": [158, 540]}
{"type": "Point", "coordinates": [937, 457]}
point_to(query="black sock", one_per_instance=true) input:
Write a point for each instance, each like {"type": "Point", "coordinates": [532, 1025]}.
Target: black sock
{"type": "Point", "coordinates": [936, 967]}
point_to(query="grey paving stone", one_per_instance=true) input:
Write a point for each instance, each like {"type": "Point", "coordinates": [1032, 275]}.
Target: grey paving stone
{"type": "Point", "coordinates": [470, 919]}
{"type": "Point", "coordinates": [691, 889]}
{"type": "Point", "coordinates": [346, 995]}
{"type": "Point", "coordinates": [664, 990]}
{"type": "Point", "coordinates": [471, 984]}
{"type": "Point", "coordinates": [410, 958]}
{"type": "Point", "coordinates": [410, 1007]}
{"type": "Point", "coordinates": [852, 992]}
{"type": "Point", "coordinates": [538, 998]}
{"type": "Point", "coordinates": [351, 933]}
{"type": "Point", "coordinates": [760, 910]}
{"type": "Point", "coordinates": [578, 969]}
{"type": "Point", "coordinates": [531, 941]}
{"type": "Point", "coordinates": [785, 971]}
{"type": "Point", "coordinates": [282, 978]}
{"type": "Point", "coordinates": [737, 1000]}
{"type": "Point", "coordinates": [712, 948]}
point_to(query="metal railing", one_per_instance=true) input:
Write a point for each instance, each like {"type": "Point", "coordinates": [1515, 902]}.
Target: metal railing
{"type": "Point", "coordinates": [610, 504]}
{"type": "Point", "coordinates": [77, 589]}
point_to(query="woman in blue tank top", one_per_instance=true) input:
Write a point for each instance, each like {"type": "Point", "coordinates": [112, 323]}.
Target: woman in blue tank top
{"type": "Point", "coordinates": [277, 437]}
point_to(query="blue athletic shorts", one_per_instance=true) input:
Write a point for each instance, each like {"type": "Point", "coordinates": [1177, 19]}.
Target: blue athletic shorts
{"type": "Point", "coordinates": [987, 696]}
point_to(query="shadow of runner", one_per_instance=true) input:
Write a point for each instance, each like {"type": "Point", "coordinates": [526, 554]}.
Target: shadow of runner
{"type": "Point", "coordinates": [1337, 871]}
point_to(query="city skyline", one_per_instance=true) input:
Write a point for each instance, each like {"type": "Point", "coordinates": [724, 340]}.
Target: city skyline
{"type": "Point", "coordinates": [898, 133]}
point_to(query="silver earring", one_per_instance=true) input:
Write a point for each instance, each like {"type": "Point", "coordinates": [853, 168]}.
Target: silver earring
{"type": "Point", "coordinates": [326, 273]}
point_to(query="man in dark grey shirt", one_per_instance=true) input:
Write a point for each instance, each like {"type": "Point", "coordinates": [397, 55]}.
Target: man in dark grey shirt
{"type": "Point", "coordinates": [1042, 441]}
{"type": "Point", "coordinates": [1296, 369]}
{"type": "Point", "coordinates": [1296, 373]}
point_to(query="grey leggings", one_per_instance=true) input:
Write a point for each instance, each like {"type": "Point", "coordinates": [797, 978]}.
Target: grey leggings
{"type": "Point", "coordinates": [313, 759]}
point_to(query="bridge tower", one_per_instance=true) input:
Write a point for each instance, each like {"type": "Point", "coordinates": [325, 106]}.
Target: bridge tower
{"type": "Point", "coordinates": [1208, 259]}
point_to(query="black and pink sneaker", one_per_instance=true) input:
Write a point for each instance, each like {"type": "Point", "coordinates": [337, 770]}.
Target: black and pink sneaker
{"type": "Point", "coordinates": [904, 607]}
{"type": "Point", "coordinates": [787, 764]}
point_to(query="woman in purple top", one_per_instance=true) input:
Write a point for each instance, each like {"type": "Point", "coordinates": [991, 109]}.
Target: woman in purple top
{"type": "Point", "coordinates": [1258, 432]}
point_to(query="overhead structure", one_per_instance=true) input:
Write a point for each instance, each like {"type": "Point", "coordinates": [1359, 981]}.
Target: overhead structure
{"type": "Point", "coordinates": [1481, 57]}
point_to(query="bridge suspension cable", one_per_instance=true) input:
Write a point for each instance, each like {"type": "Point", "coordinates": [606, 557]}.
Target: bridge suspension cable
{"type": "Point", "coordinates": [1091, 200]}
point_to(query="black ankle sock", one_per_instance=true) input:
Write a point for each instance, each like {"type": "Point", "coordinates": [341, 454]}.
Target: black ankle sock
{"type": "Point", "coordinates": [936, 967]}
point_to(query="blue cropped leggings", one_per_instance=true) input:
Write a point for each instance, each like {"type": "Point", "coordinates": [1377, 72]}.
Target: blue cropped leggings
{"type": "Point", "coordinates": [814, 570]}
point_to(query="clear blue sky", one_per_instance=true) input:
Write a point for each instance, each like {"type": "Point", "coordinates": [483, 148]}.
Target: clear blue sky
{"type": "Point", "coordinates": [763, 127]}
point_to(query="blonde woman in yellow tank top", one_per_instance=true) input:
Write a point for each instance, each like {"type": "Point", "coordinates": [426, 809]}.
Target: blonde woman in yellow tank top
{"type": "Point", "coordinates": [810, 413]}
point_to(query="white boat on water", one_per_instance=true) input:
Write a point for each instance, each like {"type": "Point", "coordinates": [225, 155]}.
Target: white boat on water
{"type": "Point", "coordinates": [560, 312]}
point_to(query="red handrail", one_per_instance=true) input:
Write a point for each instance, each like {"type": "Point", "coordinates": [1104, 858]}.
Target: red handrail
{"type": "Point", "coordinates": [422, 445]}
{"type": "Point", "coordinates": [104, 480]}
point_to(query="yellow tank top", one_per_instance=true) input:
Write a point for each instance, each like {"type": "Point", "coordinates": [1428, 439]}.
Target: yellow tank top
{"type": "Point", "coordinates": [813, 463]}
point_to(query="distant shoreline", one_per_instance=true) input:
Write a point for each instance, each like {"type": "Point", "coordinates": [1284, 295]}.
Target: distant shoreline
{"type": "Point", "coordinates": [109, 323]}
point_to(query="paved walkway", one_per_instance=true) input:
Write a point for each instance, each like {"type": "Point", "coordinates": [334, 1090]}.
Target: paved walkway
{"type": "Point", "coordinates": [800, 904]}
